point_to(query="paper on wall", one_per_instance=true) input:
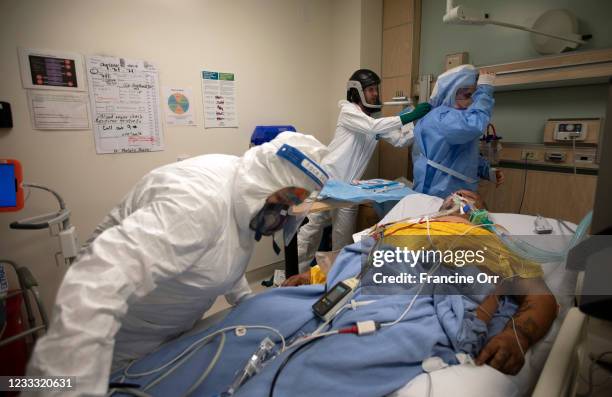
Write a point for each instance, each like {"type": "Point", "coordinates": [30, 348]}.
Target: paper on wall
{"type": "Point", "coordinates": [58, 110]}
{"type": "Point", "coordinates": [178, 106]}
{"type": "Point", "coordinates": [219, 96]}
{"type": "Point", "coordinates": [125, 105]}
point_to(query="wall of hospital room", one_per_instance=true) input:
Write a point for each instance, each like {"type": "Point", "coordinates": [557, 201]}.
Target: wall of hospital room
{"type": "Point", "coordinates": [291, 59]}
{"type": "Point", "coordinates": [518, 117]}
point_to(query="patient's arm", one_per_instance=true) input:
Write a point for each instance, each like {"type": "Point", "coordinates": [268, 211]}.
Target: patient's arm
{"type": "Point", "coordinates": [537, 310]}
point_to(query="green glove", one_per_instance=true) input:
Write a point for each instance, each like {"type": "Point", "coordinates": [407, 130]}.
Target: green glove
{"type": "Point", "coordinates": [419, 111]}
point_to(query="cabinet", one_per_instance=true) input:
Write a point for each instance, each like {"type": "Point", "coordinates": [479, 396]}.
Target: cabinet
{"type": "Point", "coordinates": [552, 194]}
{"type": "Point", "coordinates": [400, 69]}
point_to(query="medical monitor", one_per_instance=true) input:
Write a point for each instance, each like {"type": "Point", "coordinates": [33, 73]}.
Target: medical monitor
{"type": "Point", "coordinates": [11, 190]}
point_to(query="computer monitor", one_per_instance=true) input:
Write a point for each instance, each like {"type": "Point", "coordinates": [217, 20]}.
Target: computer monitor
{"type": "Point", "coordinates": [11, 190]}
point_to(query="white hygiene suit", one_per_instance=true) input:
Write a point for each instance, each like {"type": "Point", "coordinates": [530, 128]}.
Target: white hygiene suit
{"type": "Point", "coordinates": [350, 151]}
{"type": "Point", "coordinates": [159, 260]}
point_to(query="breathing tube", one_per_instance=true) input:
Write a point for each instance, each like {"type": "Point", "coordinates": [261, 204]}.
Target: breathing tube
{"type": "Point", "coordinates": [518, 245]}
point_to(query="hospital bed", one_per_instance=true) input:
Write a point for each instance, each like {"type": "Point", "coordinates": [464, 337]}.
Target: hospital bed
{"type": "Point", "coordinates": [468, 380]}
{"type": "Point", "coordinates": [558, 376]}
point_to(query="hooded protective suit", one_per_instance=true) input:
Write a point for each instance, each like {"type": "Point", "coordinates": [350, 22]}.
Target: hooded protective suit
{"type": "Point", "coordinates": [350, 151]}
{"type": "Point", "coordinates": [446, 154]}
{"type": "Point", "coordinates": [159, 260]}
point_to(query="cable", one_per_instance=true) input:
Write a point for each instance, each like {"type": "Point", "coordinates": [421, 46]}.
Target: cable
{"type": "Point", "coordinates": [284, 364]}
{"type": "Point", "coordinates": [518, 342]}
{"type": "Point", "coordinates": [429, 385]}
{"type": "Point", "coordinates": [194, 344]}
{"type": "Point", "coordinates": [133, 392]}
{"type": "Point", "coordinates": [189, 351]}
{"type": "Point", "coordinates": [524, 185]}
{"type": "Point", "coordinates": [574, 154]}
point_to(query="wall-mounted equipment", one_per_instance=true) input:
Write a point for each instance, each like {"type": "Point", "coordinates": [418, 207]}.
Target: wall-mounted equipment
{"type": "Point", "coordinates": [557, 27]}
{"type": "Point", "coordinates": [58, 223]}
{"type": "Point", "coordinates": [399, 100]}
{"type": "Point", "coordinates": [454, 60]}
{"type": "Point", "coordinates": [6, 118]}
{"type": "Point", "coordinates": [582, 131]}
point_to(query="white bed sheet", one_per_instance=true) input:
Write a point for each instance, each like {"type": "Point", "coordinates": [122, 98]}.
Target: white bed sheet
{"type": "Point", "coordinates": [468, 380]}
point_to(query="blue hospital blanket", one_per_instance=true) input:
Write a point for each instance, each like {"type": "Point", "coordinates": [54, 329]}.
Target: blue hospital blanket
{"type": "Point", "coordinates": [345, 364]}
{"type": "Point", "coordinates": [339, 190]}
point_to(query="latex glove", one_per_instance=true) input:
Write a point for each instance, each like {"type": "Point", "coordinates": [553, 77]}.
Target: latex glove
{"type": "Point", "coordinates": [419, 111]}
{"type": "Point", "coordinates": [486, 78]}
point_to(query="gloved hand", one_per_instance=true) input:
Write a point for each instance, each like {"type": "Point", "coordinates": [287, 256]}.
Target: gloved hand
{"type": "Point", "coordinates": [486, 78]}
{"type": "Point", "coordinates": [419, 111]}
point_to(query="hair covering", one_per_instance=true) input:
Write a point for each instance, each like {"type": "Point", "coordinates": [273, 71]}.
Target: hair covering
{"type": "Point", "coordinates": [449, 82]}
{"type": "Point", "coordinates": [262, 172]}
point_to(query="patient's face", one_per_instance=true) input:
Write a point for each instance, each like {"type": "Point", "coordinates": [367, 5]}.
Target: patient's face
{"type": "Point", "coordinates": [463, 98]}
{"type": "Point", "coordinates": [454, 218]}
{"type": "Point", "coordinates": [467, 194]}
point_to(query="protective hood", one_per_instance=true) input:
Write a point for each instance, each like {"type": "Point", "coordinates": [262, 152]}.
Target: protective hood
{"type": "Point", "coordinates": [262, 172]}
{"type": "Point", "coordinates": [449, 82]}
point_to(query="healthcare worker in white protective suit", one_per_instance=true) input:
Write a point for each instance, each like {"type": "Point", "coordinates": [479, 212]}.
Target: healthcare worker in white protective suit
{"type": "Point", "coordinates": [354, 142]}
{"type": "Point", "coordinates": [158, 261]}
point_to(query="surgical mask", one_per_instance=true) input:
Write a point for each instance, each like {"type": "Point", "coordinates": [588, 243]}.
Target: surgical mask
{"type": "Point", "coordinates": [271, 218]}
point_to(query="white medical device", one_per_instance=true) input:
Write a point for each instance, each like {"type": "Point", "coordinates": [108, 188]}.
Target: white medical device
{"type": "Point", "coordinates": [558, 25]}
{"type": "Point", "coordinates": [566, 131]}
{"type": "Point", "coordinates": [541, 225]}
{"type": "Point", "coordinates": [59, 221]}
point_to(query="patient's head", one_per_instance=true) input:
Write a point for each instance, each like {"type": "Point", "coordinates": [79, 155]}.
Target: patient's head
{"type": "Point", "coordinates": [472, 197]}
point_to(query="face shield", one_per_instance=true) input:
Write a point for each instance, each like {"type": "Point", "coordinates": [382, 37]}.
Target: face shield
{"type": "Point", "coordinates": [300, 209]}
{"type": "Point", "coordinates": [357, 86]}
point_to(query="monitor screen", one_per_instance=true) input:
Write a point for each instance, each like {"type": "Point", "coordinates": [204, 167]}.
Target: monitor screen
{"type": "Point", "coordinates": [8, 191]}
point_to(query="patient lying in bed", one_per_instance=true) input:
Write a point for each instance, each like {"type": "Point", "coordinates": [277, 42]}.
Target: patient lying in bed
{"type": "Point", "coordinates": [537, 305]}
{"type": "Point", "coordinates": [451, 326]}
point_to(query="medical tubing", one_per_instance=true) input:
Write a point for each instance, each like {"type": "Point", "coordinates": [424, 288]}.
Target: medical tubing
{"type": "Point", "coordinates": [134, 392]}
{"type": "Point", "coordinates": [210, 367]}
{"type": "Point", "coordinates": [62, 204]}
{"type": "Point", "coordinates": [529, 251]}
{"type": "Point", "coordinates": [178, 363]}
{"type": "Point", "coordinates": [284, 364]}
{"type": "Point", "coordinates": [196, 343]}
{"type": "Point", "coordinates": [518, 342]}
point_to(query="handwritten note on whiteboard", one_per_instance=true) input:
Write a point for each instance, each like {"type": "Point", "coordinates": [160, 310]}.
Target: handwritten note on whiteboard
{"type": "Point", "coordinates": [125, 105]}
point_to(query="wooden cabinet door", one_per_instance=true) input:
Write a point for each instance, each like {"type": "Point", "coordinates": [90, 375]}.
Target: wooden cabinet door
{"type": "Point", "coordinates": [551, 194]}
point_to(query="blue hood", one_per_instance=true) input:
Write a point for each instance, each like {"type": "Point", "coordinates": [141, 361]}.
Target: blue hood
{"type": "Point", "coordinates": [449, 82]}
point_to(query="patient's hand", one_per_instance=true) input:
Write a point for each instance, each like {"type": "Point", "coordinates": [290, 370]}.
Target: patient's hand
{"type": "Point", "coordinates": [298, 279]}
{"type": "Point", "coordinates": [536, 312]}
{"type": "Point", "coordinates": [503, 353]}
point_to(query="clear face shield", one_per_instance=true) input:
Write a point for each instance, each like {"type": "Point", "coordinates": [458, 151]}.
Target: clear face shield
{"type": "Point", "coordinates": [374, 107]}
{"type": "Point", "coordinates": [314, 171]}
{"type": "Point", "coordinates": [287, 208]}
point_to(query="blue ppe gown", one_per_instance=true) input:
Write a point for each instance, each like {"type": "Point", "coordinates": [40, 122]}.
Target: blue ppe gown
{"type": "Point", "coordinates": [445, 151]}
